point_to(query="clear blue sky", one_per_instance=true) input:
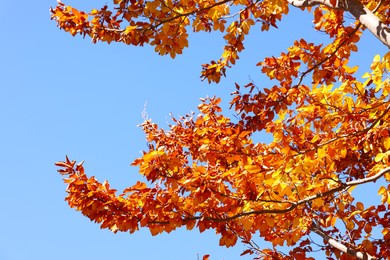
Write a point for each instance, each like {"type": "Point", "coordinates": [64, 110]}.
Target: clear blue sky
{"type": "Point", "coordinates": [63, 95]}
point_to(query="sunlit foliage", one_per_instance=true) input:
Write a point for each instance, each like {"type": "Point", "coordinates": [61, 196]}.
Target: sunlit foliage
{"type": "Point", "coordinates": [207, 172]}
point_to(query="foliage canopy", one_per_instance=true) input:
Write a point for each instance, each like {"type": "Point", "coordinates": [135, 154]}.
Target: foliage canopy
{"type": "Point", "coordinates": [207, 172]}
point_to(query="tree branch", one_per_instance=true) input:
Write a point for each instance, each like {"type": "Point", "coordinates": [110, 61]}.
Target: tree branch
{"type": "Point", "coordinates": [293, 205]}
{"type": "Point", "coordinates": [358, 10]}
{"type": "Point", "coordinates": [336, 244]}
{"type": "Point", "coordinates": [307, 3]}
{"type": "Point", "coordinates": [369, 20]}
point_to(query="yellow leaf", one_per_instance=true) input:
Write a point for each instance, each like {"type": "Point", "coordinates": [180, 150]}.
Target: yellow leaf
{"type": "Point", "coordinates": [385, 194]}
{"type": "Point", "coordinates": [351, 70]}
{"type": "Point", "coordinates": [379, 157]}
{"type": "Point", "coordinates": [386, 143]}
{"type": "Point", "coordinates": [152, 155]}
{"type": "Point", "coordinates": [289, 167]}
{"type": "Point", "coordinates": [252, 168]}
{"type": "Point", "coordinates": [247, 207]}
{"type": "Point", "coordinates": [321, 153]}
{"type": "Point", "coordinates": [377, 58]}
{"type": "Point", "coordinates": [114, 228]}
{"type": "Point", "coordinates": [343, 152]}
{"type": "Point", "coordinates": [129, 29]}
{"type": "Point", "coordinates": [286, 190]}
{"type": "Point", "coordinates": [204, 141]}
{"type": "Point", "coordinates": [315, 138]}
{"type": "Point", "coordinates": [231, 171]}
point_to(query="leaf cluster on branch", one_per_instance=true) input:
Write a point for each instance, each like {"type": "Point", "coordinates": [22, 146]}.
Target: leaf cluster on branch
{"type": "Point", "coordinates": [206, 171]}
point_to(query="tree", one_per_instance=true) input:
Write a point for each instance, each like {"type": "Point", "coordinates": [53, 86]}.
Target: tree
{"type": "Point", "coordinates": [331, 132]}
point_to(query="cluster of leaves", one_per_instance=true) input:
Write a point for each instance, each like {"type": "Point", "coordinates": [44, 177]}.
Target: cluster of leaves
{"type": "Point", "coordinates": [164, 24]}
{"type": "Point", "coordinates": [207, 172]}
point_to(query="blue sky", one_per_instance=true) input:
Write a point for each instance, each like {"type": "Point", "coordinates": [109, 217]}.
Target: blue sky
{"type": "Point", "coordinates": [63, 95]}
